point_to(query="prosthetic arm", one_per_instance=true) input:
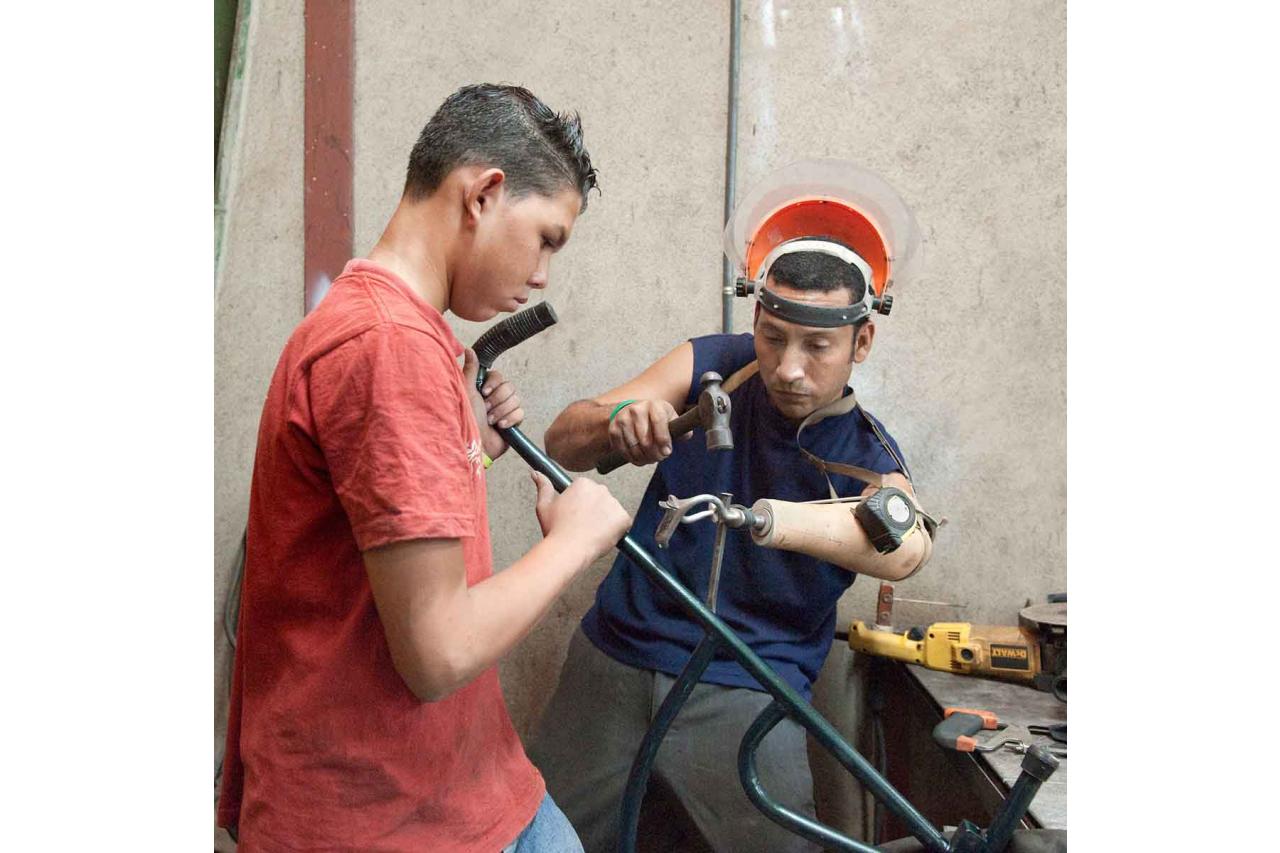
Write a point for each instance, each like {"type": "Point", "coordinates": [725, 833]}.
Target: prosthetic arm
{"type": "Point", "coordinates": [883, 534]}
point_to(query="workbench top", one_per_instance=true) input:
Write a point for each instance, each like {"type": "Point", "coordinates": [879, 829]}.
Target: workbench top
{"type": "Point", "coordinates": [1015, 705]}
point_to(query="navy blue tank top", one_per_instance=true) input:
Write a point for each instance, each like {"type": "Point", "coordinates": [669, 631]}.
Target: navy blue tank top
{"type": "Point", "coordinates": [782, 605]}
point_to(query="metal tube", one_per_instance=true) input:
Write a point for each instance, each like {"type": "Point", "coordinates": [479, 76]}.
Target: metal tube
{"type": "Point", "coordinates": [731, 157]}
{"type": "Point", "coordinates": [717, 557]}
{"type": "Point", "coordinates": [800, 710]}
{"type": "Point", "coordinates": [787, 818]}
{"type": "Point", "coordinates": [539, 461]}
{"type": "Point", "coordinates": [1037, 766]}
{"type": "Point", "coordinates": [638, 781]}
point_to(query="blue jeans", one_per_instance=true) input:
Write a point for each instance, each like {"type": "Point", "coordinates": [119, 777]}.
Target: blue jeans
{"type": "Point", "coordinates": [548, 832]}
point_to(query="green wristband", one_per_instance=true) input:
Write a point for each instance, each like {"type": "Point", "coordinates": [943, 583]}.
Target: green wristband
{"type": "Point", "coordinates": [619, 408]}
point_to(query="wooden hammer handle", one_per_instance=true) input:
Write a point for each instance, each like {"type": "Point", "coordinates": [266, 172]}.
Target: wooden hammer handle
{"type": "Point", "coordinates": [678, 426]}
{"type": "Point", "coordinates": [682, 424]}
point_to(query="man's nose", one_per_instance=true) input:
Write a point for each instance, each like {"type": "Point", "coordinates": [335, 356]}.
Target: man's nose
{"type": "Point", "coordinates": [539, 278]}
{"type": "Point", "coordinates": [791, 367]}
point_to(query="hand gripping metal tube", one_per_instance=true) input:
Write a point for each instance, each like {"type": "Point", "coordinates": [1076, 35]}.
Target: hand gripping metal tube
{"type": "Point", "coordinates": [494, 342]}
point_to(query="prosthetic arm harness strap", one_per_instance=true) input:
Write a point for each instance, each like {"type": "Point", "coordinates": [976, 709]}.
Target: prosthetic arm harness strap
{"type": "Point", "coordinates": [842, 406]}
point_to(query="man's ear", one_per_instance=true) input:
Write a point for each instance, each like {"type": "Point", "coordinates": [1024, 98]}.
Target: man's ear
{"type": "Point", "coordinates": [481, 192]}
{"type": "Point", "coordinates": [862, 341]}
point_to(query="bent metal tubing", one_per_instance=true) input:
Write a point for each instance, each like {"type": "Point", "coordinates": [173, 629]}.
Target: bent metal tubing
{"type": "Point", "coordinates": [719, 634]}
{"type": "Point", "coordinates": [787, 702]}
{"type": "Point", "coordinates": [648, 752]}
{"type": "Point", "coordinates": [784, 695]}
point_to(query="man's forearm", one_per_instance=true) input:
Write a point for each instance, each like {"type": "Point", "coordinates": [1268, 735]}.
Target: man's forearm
{"type": "Point", "coordinates": [459, 636]}
{"type": "Point", "coordinates": [507, 606]}
{"type": "Point", "coordinates": [580, 435]}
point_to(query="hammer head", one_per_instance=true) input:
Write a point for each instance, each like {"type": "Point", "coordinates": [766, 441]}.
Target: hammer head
{"type": "Point", "coordinates": [713, 412]}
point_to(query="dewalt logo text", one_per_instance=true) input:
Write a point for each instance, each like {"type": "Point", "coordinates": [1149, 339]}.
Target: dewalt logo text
{"type": "Point", "coordinates": [1010, 657]}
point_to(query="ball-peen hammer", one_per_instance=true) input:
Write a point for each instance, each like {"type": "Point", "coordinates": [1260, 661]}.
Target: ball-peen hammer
{"type": "Point", "coordinates": [711, 412]}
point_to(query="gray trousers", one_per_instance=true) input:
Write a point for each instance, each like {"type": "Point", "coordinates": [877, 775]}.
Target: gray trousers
{"type": "Point", "coordinates": [591, 731]}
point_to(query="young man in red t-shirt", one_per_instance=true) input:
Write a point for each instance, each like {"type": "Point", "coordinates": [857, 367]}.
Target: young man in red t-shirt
{"type": "Point", "coordinates": [365, 710]}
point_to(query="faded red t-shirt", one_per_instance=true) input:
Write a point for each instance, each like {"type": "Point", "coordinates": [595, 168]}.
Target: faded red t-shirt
{"type": "Point", "coordinates": [367, 437]}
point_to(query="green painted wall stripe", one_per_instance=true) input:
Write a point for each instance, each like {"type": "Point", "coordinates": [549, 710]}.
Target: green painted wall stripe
{"type": "Point", "coordinates": [229, 111]}
{"type": "Point", "coordinates": [224, 30]}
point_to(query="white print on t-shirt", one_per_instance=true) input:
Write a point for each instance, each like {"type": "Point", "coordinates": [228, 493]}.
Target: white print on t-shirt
{"type": "Point", "coordinates": [473, 456]}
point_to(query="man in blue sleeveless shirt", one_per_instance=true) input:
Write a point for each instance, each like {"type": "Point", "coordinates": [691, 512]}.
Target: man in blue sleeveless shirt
{"type": "Point", "coordinates": [636, 639]}
{"type": "Point", "coordinates": [820, 242]}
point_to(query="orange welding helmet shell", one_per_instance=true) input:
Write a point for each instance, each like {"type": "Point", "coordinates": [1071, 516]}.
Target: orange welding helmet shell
{"type": "Point", "coordinates": [825, 200]}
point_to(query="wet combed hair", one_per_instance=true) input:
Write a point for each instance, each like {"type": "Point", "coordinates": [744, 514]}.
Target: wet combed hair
{"type": "Point", "coordinates": [507, 127]}
{"type": "Point", "coordinates": [816, 271]}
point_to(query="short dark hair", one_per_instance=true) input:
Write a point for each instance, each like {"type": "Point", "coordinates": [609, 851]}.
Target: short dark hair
{"type": "Point", "coordinates": [816, 271]}
{"type": "Point", "coordinates": [506, 127]}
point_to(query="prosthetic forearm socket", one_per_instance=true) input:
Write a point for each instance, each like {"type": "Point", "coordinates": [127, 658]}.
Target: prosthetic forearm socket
{"type": "Point", "coordinates": [831, 532]}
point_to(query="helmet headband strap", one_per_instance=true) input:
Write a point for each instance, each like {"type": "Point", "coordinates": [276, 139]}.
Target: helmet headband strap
{"type": "Point", "coordinates": [808, 314]}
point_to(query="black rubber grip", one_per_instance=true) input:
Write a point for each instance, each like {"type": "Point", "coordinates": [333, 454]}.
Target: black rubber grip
{"type": "Point", "coordinates": [512, 331]}
{"type": "Point", "coordinates": [685, 423]}
{"type": "Point", "coordinates": [947, 733]}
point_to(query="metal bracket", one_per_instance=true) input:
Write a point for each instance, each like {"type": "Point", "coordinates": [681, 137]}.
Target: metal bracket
{"type": "Point", "coordinates": [718, 509]}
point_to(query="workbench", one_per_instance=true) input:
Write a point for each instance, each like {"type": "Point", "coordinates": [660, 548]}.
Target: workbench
{"type": "Point", "coordinates": [948, 786]}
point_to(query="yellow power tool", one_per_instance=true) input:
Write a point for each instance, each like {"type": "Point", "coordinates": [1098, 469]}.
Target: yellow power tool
{"type": "Point", "coordinates": [1033, 653]}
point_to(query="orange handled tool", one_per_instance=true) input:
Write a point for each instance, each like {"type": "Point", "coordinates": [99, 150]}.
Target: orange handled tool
{"type": "Point", "coordinates": [959, 725]}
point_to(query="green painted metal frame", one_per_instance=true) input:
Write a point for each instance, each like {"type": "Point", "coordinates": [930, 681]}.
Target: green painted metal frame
{"type": "Point", "coordinates": [968, 838]}
{"type": "Point", "coordinates": [784, 695]}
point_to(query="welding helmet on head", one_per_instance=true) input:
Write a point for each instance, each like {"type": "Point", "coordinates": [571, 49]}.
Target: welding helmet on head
{"type": "Point", "coordinates": [832, 207]}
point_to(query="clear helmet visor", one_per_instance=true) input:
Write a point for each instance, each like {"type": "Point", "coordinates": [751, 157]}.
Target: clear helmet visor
{"type": "Point", "coordinates": [830, 199]}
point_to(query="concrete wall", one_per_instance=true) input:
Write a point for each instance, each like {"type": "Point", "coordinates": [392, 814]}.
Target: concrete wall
{"type": "Point", "coordinates": [960, 105]}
